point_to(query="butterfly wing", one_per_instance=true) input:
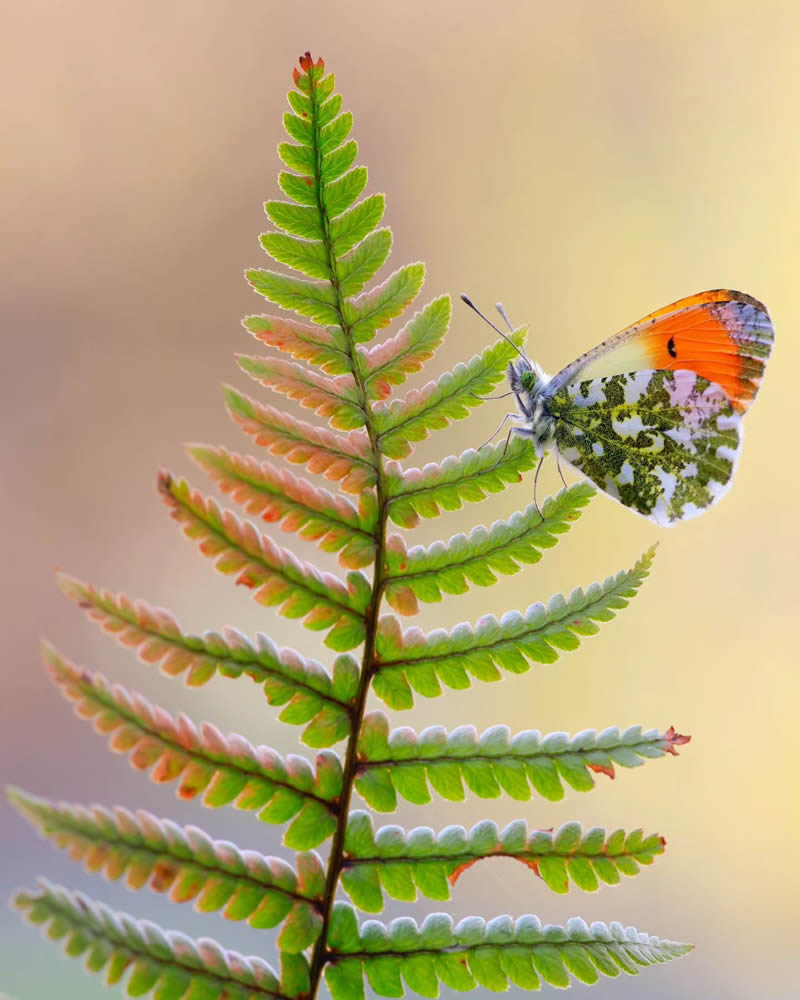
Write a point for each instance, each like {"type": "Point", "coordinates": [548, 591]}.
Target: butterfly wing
{"type": "Point", "coordinates": [661, 442]}
{"type": "Point", "coordinates": [723, 336]}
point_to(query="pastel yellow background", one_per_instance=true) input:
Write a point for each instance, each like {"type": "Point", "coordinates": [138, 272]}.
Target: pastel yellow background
{"type": "Point", "coordinates": [585, 163]}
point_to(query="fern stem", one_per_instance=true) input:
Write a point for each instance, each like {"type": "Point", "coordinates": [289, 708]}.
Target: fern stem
{"type": "Point", "coordinates": [335, 859]}
{"type": "Point", "coordinates": [320, 953]}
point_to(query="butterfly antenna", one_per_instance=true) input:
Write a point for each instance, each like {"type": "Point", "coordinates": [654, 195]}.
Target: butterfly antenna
{"type": "Point", "coordinates": [468, 301]}
{"type": "Point", "coordinates": [501, 309]}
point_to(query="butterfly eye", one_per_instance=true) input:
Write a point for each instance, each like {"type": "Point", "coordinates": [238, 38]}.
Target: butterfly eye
{"type": "Point", "coordinates": [528, 379]}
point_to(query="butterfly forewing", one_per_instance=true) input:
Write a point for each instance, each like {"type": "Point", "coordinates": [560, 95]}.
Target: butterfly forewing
{"type": "Point", "coordinates": [722, 335]}
{"type": "Point", "coordinates": [664, 443]}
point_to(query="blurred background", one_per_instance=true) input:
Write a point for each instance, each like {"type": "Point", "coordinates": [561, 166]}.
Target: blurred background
{"type": "Point", "coordinates": [585, 163]}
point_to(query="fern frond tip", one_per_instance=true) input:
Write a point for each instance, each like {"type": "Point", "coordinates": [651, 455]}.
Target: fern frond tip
{"type": "Point", "coordinates": [309, 68]}
{"type": "Point", "coordinates": [164, 482]}
{"type": "Point", "coordinates": [672, 739]}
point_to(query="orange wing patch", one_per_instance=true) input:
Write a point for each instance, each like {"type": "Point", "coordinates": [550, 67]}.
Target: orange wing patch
{"type": "Point", "coordinates": [722, 335]}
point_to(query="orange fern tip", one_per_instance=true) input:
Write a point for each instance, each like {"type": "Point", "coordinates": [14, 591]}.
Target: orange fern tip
{"type": "Point", "coordinates": [307, 62]}
{"type": "Point", "coordinates": [309, 70]}
{"type": "Point", "coordinates": [164, 482]}
{"type": "Point", "coordinates": [673, 739]}
{"type": "Point", "coordinates": [74, 589]}
{"type": "Point", "coordinates": [68, 676]}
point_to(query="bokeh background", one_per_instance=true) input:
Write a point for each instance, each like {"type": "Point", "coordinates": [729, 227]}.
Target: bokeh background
{"type": "Point", "coordinates": [585, 163]}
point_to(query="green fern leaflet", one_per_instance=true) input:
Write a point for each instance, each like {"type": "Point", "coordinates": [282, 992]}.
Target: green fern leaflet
{"type": "Point", "coordinates": [340, 479]}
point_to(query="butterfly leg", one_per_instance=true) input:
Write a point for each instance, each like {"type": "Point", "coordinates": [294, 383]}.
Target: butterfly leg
{"type": "Point", "coordinates": [505, 395]}
{"type": "Point", "coordinates": [535, 484]}
{"type": "Point", "coordinates": [505, 446]}
{"type": "Point", "coordinates": [530, 433]}
{"type": "Point", "coordinates": [500, 427]}
{"type": "Point", "coordinates": [558, 466]}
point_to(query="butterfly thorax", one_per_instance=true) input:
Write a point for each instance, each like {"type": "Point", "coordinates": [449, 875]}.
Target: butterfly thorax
{"type": "Point", "coordinates": [529, 383]}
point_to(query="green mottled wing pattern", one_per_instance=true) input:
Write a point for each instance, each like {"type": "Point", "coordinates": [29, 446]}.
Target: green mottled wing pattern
{"type": "Point", "coordinates": [664, 443]}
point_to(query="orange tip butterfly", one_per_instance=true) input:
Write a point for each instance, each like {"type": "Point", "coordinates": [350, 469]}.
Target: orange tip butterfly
{"type": "Point", "coordinates": [653, 415]}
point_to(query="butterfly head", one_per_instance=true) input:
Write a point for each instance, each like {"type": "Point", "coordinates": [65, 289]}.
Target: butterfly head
{"type": "Point", "coordinates": [526, 380]}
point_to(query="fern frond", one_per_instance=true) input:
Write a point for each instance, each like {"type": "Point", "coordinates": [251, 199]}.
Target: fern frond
{"type": "Point", "coordinates": [402, 762]}
{"type": "Point", "coordinates": [327, 235]}
{"type": "Point", "coordinates": [275, 574]}
{"type": "Point", "coordinates": [412, 659]}
{"type": "Point", "coordinates": [295, 504]}
{"type": "Point", "coordinates": [334, 398]}
{"type": "Point", "coordinates": [402, 422]}
{"type": "Point", "coordinates": [167, 963]}
{"type": "Point", "coordinates": [389, 363]}
{"type": "Point", "coordinates": [469, 478]}
{"type": "Point", "coordinates": [494, 954]}
{"type": "Point", "coordinates": [399, 863]}
{"type": "Point", "coordinates": [449, 567]}
{"type": "Point", "coordinates": [225, 770]}
{"type": "Point", "coordinates": [340, 458]}
{"type": "Point", "coordinates": [304, 686]}
{"type": "Point", "coordinates": [324, 347]}
{"type": "Point", "coordinates": [188, 864]}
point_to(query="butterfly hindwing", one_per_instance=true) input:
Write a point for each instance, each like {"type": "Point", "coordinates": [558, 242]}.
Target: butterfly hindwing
{"type": "Point", "coordinates": [722, 335]}
{"type": "Point", "coordinates": [664, 443]}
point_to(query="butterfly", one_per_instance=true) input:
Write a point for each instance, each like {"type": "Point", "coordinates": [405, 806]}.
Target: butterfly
{"type": "Point", "coordinates": [653, 415]}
